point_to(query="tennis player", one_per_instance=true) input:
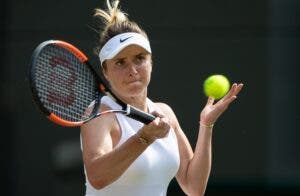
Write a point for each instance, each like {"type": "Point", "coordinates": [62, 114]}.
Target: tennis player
{"type": "Point", "coordinates": [123, 157]}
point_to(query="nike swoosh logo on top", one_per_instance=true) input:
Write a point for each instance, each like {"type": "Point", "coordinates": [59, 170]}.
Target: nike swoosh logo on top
{"type": "Point", "coordinates": [123, 40]}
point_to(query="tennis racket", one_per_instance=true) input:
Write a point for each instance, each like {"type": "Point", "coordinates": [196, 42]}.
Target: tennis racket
{"type": "Point", "coordinates": [66, 88]}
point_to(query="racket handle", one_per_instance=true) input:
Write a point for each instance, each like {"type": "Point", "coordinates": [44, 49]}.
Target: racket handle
{"type": "Point", "coordinates": [139, 115]}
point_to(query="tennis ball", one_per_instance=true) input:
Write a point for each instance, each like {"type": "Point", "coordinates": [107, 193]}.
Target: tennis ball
{"type": "Point", "coordinates": [216, 86]}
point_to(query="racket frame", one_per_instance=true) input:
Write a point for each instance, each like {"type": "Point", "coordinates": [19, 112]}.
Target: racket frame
{"type": "Point", "coordinates": [127, 109]}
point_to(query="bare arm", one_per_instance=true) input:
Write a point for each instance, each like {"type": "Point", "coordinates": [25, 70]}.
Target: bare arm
{"type": "Point", "coordinates": [195, 166]}
{"type": "Point", "coordinates": [104, 162]}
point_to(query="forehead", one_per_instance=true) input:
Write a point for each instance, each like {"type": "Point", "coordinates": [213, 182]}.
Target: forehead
{"type": "Point", "coordinates": [131, 50]}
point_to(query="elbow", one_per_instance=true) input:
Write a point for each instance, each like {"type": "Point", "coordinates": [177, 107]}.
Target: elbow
{"type": "Point", "coordinates": [199, 192]}
{"type": "Point", "coordinates": [98, 183]}
{"type": "Point", "coordinates": [197, 189]}
{"type": "Point", "coordinates": [96, 177]}
{"type": "Point", "coordinates": [100, 180]}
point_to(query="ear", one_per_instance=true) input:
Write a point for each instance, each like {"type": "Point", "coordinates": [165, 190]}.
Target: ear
{"type": "Point", "coordinates": [104, 71]}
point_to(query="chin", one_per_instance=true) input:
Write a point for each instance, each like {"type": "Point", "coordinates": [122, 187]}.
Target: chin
{"type": "Point", "coordinates": [136, 91]}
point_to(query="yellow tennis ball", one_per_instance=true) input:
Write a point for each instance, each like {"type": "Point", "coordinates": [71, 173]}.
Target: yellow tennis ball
{"type": "Point", "coordinates": [216, 86]}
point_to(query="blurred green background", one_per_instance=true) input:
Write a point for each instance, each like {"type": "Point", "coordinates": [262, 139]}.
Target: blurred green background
{"type": "Point", "coordinates": [256, 142]}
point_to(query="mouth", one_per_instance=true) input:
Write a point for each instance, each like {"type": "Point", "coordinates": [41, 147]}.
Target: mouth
{"type": "Point", "coordinates": [133, 81]}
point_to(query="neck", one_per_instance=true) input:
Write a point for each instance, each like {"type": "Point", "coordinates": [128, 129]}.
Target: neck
{"type": "Point", "coordinates": [138, 101]}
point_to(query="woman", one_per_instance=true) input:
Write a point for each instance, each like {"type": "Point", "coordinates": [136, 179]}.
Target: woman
{"type": "Point", "coordinates": [125, 157]}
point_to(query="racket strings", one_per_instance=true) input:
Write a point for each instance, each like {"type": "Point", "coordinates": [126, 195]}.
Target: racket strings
{"type": "Point", "coordinates": [65, 85]}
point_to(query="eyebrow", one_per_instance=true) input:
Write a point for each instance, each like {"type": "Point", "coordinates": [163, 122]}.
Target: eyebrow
{"type": "Point", "coordinates": [142, 53]}
{"type": "Point", "coordinates": [119, 59]}
{"type": "Point", "coordinates": [139, 54]}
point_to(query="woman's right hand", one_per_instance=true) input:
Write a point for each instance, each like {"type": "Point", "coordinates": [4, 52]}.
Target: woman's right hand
{"type": "Point", "coordinates": [158, 128]}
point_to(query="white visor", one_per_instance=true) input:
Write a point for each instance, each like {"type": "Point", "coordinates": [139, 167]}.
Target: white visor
{"type": "Point", "coordinates": [119, 42]}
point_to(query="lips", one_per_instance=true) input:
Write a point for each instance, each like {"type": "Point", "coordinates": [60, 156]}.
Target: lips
{"type": "Point", "coordinates": [133, 81]}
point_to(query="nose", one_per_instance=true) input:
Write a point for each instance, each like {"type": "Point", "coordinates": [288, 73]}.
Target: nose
{"type": "Point", "coordinates": [133, 69]}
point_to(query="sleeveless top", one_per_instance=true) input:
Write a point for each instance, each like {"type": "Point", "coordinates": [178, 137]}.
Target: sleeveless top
{"type": "Point", "coordinates": [151, 173]}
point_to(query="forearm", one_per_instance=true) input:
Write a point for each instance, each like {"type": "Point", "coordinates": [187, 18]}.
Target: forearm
{"type": "Point", "coordinates": [105, 169]}
{"type": "Point", "coordinates": [200, 165]}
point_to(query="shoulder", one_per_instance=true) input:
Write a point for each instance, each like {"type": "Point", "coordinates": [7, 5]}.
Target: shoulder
{"type": "Point", "coordinates": [163, 107]}
{"type": "Point", "coordinates": [104, 126]}
{"type": "Point", "coordinates": [170, 114]}
{"type": "Point", "coordinates": [107, 120]}
{"type": "Point", "coordinates": [167, 111]}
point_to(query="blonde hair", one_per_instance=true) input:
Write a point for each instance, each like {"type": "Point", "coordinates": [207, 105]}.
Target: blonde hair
{"type": "Point", "coordinates": [113, 14]}
{"type": "Point", "coordinates": [115, 22]}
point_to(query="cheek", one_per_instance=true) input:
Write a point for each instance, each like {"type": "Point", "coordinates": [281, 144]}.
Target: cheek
{"type": "Point", "coordinates": [116, 78]}
{"type": "Point", "coordinates": [113, 78]}
{"type": "Point", "coordinates": [147, 74]}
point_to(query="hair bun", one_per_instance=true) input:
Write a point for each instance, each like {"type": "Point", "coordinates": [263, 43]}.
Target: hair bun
{"type": "Point", "coordinates": [113, 14]}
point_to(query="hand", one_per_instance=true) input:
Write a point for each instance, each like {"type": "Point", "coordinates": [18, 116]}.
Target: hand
{"type": "Point", "coordinates": [211, 111]}
{"type": "Point", "coordinates": [158, 128]}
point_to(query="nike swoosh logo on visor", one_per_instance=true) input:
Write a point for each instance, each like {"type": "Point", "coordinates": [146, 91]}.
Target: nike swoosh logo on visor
{"type": "Point", "coordinates": [123, 40]}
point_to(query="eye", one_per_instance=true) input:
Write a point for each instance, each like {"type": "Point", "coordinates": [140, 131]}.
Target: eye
{"type": "Point", "coordinates": [120, 62]}
{"type": "Point", "coordinates": [141, 58]}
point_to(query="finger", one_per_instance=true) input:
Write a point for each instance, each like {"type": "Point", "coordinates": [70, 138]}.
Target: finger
{"type": "Point", "coordinates": [228, 101]}
{"type": "Point", "coordinates": [239, 88]}
{"type": "Point", "coordinates": [156, 121]}
{"type": "Point", "coordinates": [164, 119]}
{"type": "Point", "coordinates": [235, 89]}
{"type": "Point", "coordinates": [222, 106]}
{"type": "Point", "coordinates": [210, 101]}
{"type": "Point", "coordinates": [165, 126]}
{"type": "Point", "coordinates": [231, 91]}
{"type": "Point", "coordinates": [231, 96]}
{"type": "Point", "coordinates": [157, 114]}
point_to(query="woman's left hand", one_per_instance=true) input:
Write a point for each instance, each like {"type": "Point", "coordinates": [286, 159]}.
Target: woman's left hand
{"type": "Point", "coordinates": [211, 111]}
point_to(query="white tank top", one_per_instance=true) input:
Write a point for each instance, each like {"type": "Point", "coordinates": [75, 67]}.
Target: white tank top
{"type": "Point", "coordinates": [151, 173]}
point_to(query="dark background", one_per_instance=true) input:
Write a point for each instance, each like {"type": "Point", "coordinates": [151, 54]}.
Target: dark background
{"type": "Point", "coordinates": [256, 142]}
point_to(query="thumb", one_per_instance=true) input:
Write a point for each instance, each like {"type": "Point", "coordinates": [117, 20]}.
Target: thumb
{"type": "Point", "coordinates": [210, 101]}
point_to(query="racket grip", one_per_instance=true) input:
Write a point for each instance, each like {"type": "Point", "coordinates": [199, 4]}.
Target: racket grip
{"type": "Point", "coordinates": [139, 115]}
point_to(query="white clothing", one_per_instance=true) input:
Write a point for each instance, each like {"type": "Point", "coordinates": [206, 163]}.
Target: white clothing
{"type": "Point", "coordinates": [151, 173]}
